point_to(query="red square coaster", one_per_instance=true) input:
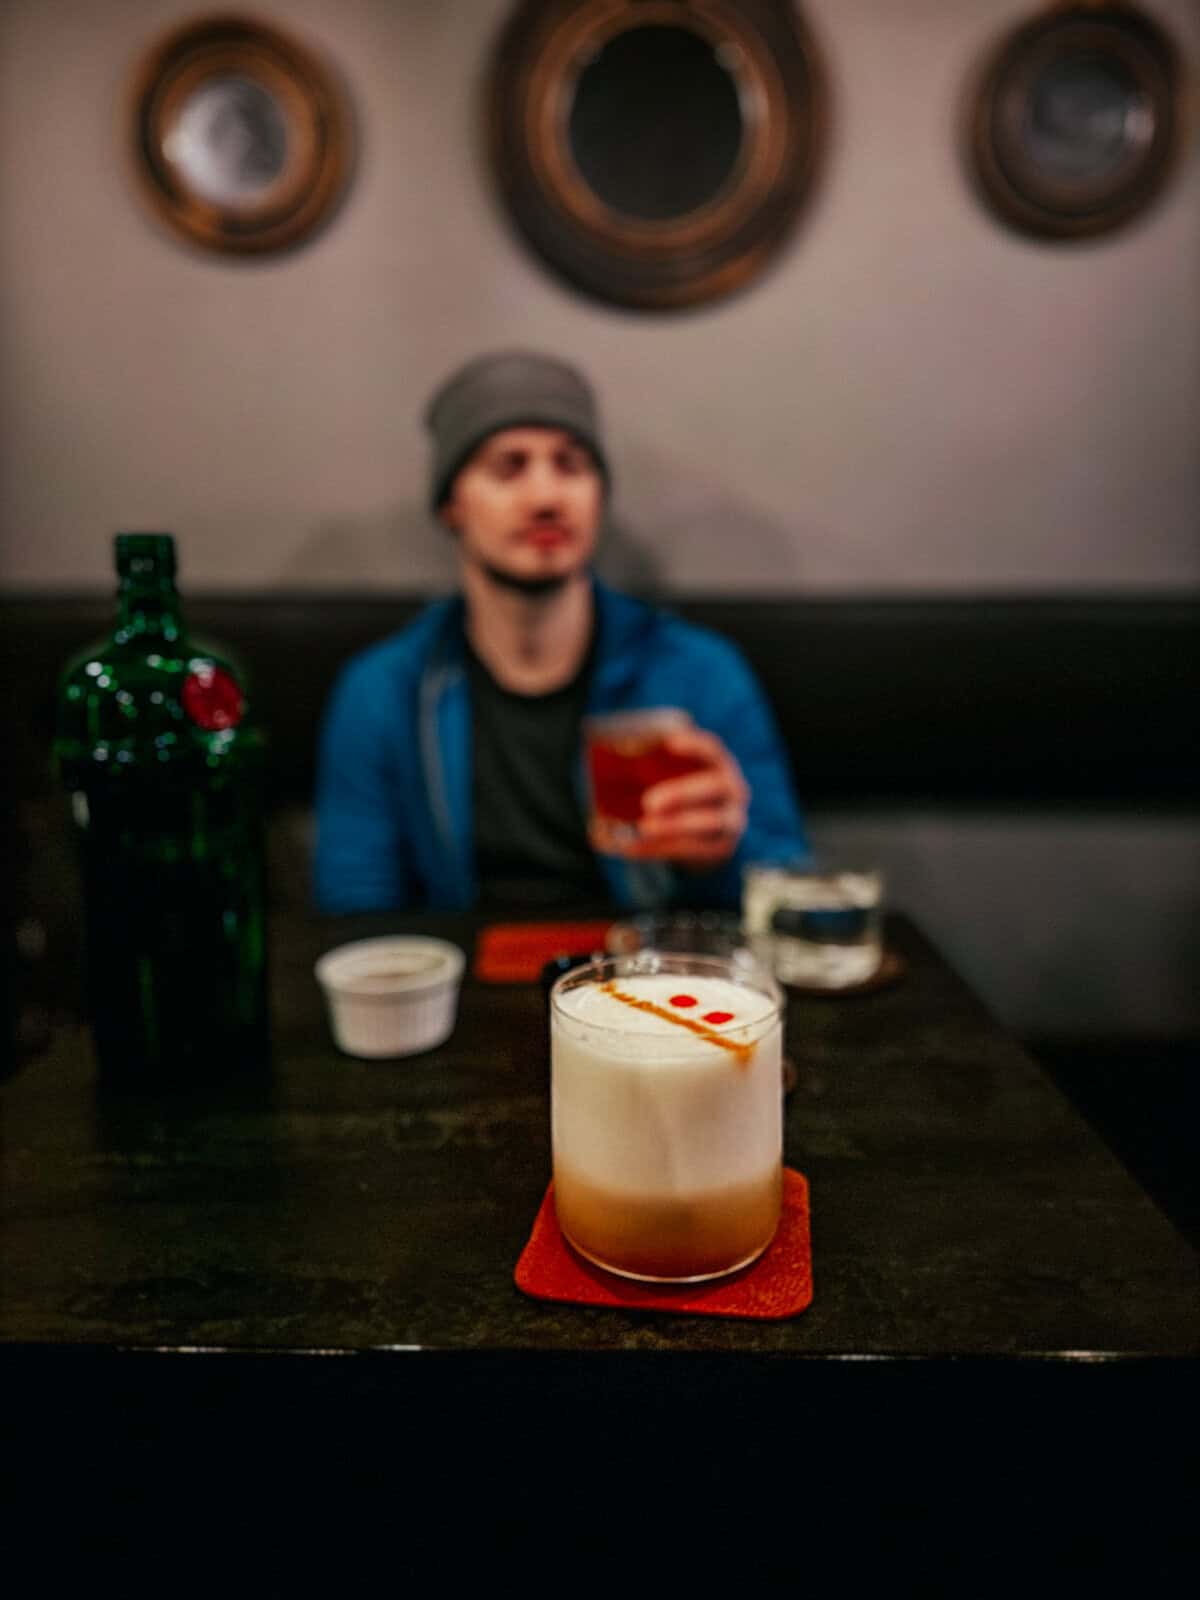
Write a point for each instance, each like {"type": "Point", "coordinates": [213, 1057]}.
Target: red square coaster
{"type": "Point", "coordinates": [777, 1285]}
{"type": "Point", "coordinates": [516, 952]}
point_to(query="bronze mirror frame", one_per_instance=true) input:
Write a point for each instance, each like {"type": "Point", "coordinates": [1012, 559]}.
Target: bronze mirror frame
{"type": "Point", "coordinates": [318, 146]}
{"type": "Point", "coordinates": [1022, 193]}
{"type": "Point", "coordinates": [655, 263]}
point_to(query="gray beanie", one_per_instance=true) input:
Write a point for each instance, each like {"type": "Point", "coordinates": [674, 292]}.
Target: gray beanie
{"type": "Point", "coordinates": [514, 389]}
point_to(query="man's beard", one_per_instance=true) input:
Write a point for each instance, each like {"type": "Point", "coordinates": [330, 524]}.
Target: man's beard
{"type": "Point", "coordinates": [534, 588]}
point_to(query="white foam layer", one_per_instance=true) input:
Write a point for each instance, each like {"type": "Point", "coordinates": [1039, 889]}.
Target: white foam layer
{"type": "Point", "coordinates": [594, 1014]}
{"type": "Point", "coordinates": [643, 1106]}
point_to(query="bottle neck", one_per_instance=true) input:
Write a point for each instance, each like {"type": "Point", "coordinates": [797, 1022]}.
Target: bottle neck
{"type": "Point", "coordinates": [148, 607]}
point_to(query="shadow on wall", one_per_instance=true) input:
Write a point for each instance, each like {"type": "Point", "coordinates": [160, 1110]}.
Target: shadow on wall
{"type": "Point", "coordinates": [396, 547]}
{"type": "Point", "coordinates": [400, 548]}
{"type": "Point", "coordinates": [675, 530]}
{"type": "Point", "coordinates": [691, 531]}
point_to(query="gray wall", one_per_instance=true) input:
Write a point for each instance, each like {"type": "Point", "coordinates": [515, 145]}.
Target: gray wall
{"type": "Point", "coordinates": [912, 399]}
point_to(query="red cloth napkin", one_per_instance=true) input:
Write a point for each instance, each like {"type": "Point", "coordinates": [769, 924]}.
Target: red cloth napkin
{"type": "Point", "coordinates": [777, 1285]}
{"type": "Point", "coordinates": [516, 952]}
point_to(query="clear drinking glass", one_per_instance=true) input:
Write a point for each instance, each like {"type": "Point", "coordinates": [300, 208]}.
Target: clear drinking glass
{"type": "Point", "coordinates": [816, 927]}
{"type": "Point", "coordinates": [699, 933]}
{"type": "Point", "coordinates": [666, 1114]}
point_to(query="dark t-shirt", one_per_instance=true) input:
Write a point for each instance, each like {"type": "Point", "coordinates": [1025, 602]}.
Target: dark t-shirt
{"type": "Point", "coordinates": [531, 845]}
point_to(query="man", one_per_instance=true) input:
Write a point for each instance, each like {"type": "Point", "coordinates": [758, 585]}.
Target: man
{"type": "Point", "coordinates": [450, 770]}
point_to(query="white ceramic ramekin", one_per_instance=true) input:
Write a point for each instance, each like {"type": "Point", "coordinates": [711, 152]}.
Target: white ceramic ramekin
{"type": "Point", "coordinates": [392, 996]}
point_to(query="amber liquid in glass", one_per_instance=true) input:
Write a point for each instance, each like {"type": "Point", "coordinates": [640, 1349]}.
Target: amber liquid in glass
{"type": "Point", "coordinates": [622, 766]}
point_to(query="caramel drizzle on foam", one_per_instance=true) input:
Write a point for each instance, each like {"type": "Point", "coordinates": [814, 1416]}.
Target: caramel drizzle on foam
{"type": "Point", "coordinates": [742, 1052]}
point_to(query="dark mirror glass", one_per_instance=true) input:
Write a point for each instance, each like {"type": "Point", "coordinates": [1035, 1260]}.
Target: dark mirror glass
{"type": "Point", "coordinates": [1084, 115]}
{"type": "Point", "coordinates": [655, 125]}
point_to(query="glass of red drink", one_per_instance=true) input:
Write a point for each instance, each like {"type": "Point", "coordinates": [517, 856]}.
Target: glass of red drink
{"type": "Point", "coordinates": [627, 753]}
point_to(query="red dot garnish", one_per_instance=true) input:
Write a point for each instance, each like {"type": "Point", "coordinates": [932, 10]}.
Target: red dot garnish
{"type": "Point", "coordinates": [717, 1016]}
{"type": "Point", "coordinates": [683, 999]}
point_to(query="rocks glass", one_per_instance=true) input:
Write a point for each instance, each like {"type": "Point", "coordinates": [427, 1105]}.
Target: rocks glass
{"type": "Point", "coordinates": [627, 753]}
{"type": "Point", "coordinates": [666, 1114]}
{"type": "Point", "coordinates": [814, 927]}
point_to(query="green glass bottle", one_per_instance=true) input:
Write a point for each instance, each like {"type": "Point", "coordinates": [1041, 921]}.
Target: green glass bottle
{"type": "Point", "coordinates": [162, 763]}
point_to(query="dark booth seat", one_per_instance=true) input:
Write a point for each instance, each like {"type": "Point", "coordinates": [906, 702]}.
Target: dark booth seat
{"type": "Point", "coordinates": [960, 701]}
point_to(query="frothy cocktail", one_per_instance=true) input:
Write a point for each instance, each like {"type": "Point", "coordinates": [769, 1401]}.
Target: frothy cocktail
{"type": "Point", "coordinates": [666, 1114]}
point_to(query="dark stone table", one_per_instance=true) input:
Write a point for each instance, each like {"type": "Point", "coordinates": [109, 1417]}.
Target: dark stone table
{"type": "Point", "coordinates": [318, 1263]}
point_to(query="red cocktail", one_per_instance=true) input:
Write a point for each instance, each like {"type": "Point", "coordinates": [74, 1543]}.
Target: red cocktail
{"type": "Point", "coordinates": [628, 753]}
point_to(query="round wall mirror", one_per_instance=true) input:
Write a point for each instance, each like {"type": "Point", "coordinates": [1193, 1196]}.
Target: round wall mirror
{"type": "Point", "coordinates": [644, 154]}
{"type": "Point", "coordinates": [241, 139]}
{"type": "Point", "coordinates": [655, 152]}
{"type": "Point", "coordinates": [230, 141]}
{"type": "Point", "coordinates": [1074, 125]}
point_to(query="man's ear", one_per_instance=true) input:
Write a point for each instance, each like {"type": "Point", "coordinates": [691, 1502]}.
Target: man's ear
{"type": "Point", "coordinates": [448, 516]}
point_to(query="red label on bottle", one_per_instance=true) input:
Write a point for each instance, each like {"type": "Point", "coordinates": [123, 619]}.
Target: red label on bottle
{"type": "Point", "coordinates": [212, 699]}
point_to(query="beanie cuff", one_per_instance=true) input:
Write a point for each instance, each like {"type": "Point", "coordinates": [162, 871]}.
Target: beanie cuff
{"type": "Point", "coordinates": [514, 390]}
{"type": "Point", "coordinates": [538, 418]}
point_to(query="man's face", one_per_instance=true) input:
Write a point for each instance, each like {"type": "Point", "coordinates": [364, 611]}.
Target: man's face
{"type": "Point", "coordinates": [526, 507]}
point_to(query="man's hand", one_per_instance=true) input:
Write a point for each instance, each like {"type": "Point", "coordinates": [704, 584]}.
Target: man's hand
{"type": "Point", "coordinates": [695, 820]}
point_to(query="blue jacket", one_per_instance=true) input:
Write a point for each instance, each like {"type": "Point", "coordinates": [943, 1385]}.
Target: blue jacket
{"type": "Point", "coordinates": [394, 822]}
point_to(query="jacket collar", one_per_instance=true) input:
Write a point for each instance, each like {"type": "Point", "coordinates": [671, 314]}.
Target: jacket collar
{"type": "Point", "coordinates": [623, 626]}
